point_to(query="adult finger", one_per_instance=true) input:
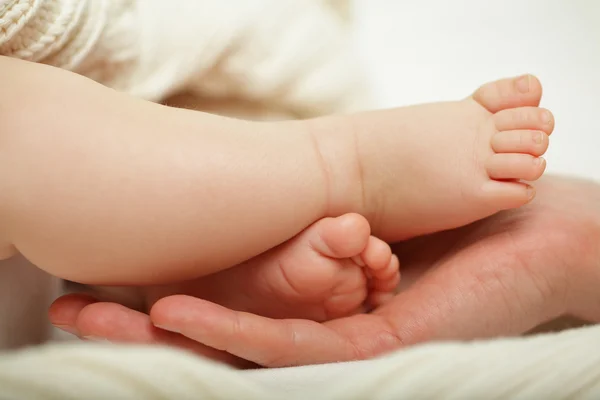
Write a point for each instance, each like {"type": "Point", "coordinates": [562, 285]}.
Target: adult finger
{"type": "Point", "coordinates": [101, 321]}
{"type": "Point", "coordinates": [65, 310]}
{"type": "Point", "coordinates": [265, 341]}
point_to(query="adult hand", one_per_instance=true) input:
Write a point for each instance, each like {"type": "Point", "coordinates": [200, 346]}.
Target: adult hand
{"type": "Point", "coordinates": [500, 276]}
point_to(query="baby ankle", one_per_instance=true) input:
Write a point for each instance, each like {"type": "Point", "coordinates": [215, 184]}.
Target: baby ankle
{"type": "Point", "coordinates": [336, 149]}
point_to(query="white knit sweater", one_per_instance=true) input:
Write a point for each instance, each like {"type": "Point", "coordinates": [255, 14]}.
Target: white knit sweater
{"type": "Point", "coordinates": [288, 54]}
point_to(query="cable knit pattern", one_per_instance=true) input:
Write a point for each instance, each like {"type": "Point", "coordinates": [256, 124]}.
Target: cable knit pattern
{"type": "Point", "coordinates": [290, 54]}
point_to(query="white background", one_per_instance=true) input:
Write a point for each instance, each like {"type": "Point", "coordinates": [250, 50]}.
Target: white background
{"type": "Point", "coordinates": [431, 50]}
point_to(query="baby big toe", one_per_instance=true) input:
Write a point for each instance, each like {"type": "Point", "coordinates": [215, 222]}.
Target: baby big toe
{"type": "Point", "coordinates": [515, 166]}
{"type": "Point", "coordinates": [342, 237]}
{"type": "Point", "coordinates": [508, 93]}
{"type": "Point", "coordinates": [520, 141]}
{"type": "Point", "coordinates": [524, 118]}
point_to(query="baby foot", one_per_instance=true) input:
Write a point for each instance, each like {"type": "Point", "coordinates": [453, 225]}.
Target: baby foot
{"type": "Point", "coordinates": [438, 166]}
{"type": "Point", "coordinates": [328, 271]}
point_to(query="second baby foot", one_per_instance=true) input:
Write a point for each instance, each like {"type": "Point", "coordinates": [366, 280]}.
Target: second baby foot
{"type": "Point", "coordinates": [331, 269]}
{"type": "Point", "coordinates": [438, 166]}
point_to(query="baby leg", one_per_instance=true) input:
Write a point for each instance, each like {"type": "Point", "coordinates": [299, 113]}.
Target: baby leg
{"type": "Point", "coordinates": [101, 188]}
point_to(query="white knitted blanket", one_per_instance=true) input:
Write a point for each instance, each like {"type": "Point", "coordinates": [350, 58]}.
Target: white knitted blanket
{"type": "Point", "coordinates": [500, 369]}
{"type": "Point", "coordinates": [286, 58]}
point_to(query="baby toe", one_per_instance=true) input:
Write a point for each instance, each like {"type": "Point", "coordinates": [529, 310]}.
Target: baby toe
{"type": "Point", "coordinates": [376, 255]}
{"type": "Point", "coordinates": [525, 118]}
{"type": "Point", "coordinates": [504, 195]}
{"type": "Point", "coordinates": [515, 166]}
{"type": "Point", "coordinates": [520, 141]}
{"type": "Point", "coordinates": [387, 279]}
{"type": "Point", "coordinates": [508, 93]}
{"type": "Point", "coordinates": [342, 237]}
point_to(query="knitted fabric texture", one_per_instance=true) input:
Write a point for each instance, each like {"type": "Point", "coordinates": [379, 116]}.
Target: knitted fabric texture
{"type": "Point", "coordinates": [550, 366]}
{"type": "Point", "coordinates": [287, 54]}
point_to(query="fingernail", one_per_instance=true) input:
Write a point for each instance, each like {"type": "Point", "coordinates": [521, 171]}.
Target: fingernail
{"type": "Point", "coordinates": [523, 84]}
{"type": "Point", "coordinates": [165, 328]}
{"type": "Point", "coordinates": [96, 339]}
{"type": "Point", "coordinates": [530, 192]}
{"type": "Point", "coordinates": [538, 137]}
{"type": "Point", "coordinates": [538, 161]}
{"type": "Point", "coordinates": [67, 329]}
